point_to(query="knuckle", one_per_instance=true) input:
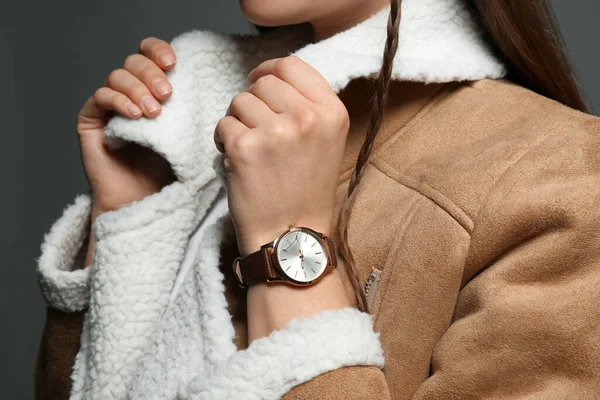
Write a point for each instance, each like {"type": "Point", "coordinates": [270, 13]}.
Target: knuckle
{"type": "Point", "coordinates": [146, 42]}
{"type": "Point", "coordinates": [294, 59]}
{"type": "Point", "coordinates": [306, 118]}
{"type": "Point", "coordinates": [99, 94]}
{"type": "Point", "coordinates": [220, 128]}
{"type": "Point", "coordinates": [286, 64]}
{"type": "Point", "coordinates": [279, 131]}
{"type": "Point", "coordinates": [223, 127]}
{"type": "Point", "coordinates": [338, 114]}
{"type": "Point", "coordinates": [131, 60]}
{"type": "Point", "coordinates": [114, 76]}
{"type": "Point", "coordinates": [245, 146]}
{"type": "Point", "coordinates": [113, 100]}
{"type": "Point", "coordinates": [235, 147]}
{"type": "Point", "coordinates": [282, 66]}
{"type": "Point", "coordinates": [138, 88]}
{"type": "Point", "coordinates": [148, 72]}
{"type": "Point", "coordinates": [240, 99]}
{"type": "Point", "coordinates": [264, 81]}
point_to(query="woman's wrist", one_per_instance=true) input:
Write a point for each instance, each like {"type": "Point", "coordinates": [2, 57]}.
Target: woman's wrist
{"type": "Point", "coordinates": [253, 242]}
{"type": "Point", "coordinates": [270, 306]}
{"type": "Point", "coordinates": [90, 251]}
{"type": "Point", "coordinates": [92, 238]}
{"type": "Point", "coordinates": [95, 213]}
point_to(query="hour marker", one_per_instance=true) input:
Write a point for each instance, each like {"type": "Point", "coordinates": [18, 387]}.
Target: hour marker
{"type": "Point", "coordinates": [283, 259]}
{"type": "Point", "coordinates": [288, 267]}
{"type": "Point", "coordinates": [317, 262]}
{"type": "Point", "coordinates": [296, 274]}
{"type": "Point", "coordinates": [305, 237]}
{"type": "Point", "coordinates": [318, 252]}
{"type": "Point", "coordinates": [313, 244]}
{"type": "Point", "coordinates": [304, 274]}
{"type": "Point", "coordinates": [313, 271]}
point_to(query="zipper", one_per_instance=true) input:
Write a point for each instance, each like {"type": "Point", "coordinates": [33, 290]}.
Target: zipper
{"type": "Point", "coordinates": [371, 286]}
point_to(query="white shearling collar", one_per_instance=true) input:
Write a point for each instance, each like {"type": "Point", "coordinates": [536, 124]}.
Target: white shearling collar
{"type": "Point", "coordinates": [438, 42]}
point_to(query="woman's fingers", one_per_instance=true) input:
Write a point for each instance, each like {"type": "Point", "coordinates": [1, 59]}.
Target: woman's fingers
{"type": "Point", "coordinates": [124, 82]}
{"type": "Point", "coordinates": [101, 104]}
{"type": "Point", "coordinates": [159, 51]}
{"type": "Point", "coordinates": [111, 100]}
{"type": "Point", "coordinates": [227, 131]}
{"type": "Point", "coordinates": [250, 110]}
{"type": "Point", "coordinates": [149, 74]}
{"type": "Point", "coordinates": [280, 96]}
{"type": "Point", "coordinates": [304, 78]}
{"type": "Point", "coordinates": [94, 114]}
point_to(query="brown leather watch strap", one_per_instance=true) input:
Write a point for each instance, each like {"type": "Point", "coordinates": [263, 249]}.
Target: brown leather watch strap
{"type": "Point", "coordinates": [331, 248]}
{"type": "Point", "coordinates": [258, 266]}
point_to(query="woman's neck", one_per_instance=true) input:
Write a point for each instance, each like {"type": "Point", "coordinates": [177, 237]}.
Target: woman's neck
{"type": "Point", "coordinates": [329, 25]}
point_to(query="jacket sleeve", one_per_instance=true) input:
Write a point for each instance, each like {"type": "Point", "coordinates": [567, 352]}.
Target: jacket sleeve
{"type": "Point", "coordinates": [136, 257]}
{"type": "Point", "coordinates": [526, 322]}
{"type": "Point", "coordinates": [138, 251]}
{"type": "Point", "coordinates": [65, 289]}
{"type": "Point", "coordinates": [331, 355]}
{"type": "Point", "coordinates": [63, 280]}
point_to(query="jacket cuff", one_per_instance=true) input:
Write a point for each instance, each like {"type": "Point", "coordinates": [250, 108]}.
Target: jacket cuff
{"type": "Point", "coordinates": [303, 349]}
{"type": "Point", "coordinates": [64, 285]}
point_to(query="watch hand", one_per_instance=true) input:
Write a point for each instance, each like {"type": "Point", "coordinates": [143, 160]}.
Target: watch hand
{"type": "Point", "coordinates": [290, 244]}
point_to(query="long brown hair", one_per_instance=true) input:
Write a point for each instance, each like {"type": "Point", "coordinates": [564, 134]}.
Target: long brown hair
{"type": "Point", "coordinates": [524, 34]}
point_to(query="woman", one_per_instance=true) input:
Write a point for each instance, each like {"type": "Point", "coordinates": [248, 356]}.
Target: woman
{"type": "Point", "coordinates": [468, 256]}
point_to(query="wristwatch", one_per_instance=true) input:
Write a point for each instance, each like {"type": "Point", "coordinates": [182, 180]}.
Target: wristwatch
{"type": "Point", "coordinates": [300, 256]}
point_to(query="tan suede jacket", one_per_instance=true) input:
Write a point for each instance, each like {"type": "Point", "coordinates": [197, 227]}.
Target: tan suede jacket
{"type": "Point", "coordinates": [476, 231]}
{"type": "Point", "coordinates": [479, 216]}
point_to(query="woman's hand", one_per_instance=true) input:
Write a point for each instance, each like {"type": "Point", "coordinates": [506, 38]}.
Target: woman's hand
{"type": "Point", "coordinates": [118, 178]}
{"type": "Point", "coordinates": [283, 142]}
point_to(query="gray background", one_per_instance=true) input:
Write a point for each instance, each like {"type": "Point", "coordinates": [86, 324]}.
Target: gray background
{"type": "Point", "coordinates": [54, 54]}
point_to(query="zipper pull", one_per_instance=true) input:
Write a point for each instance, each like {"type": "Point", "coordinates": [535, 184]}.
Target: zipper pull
{"type": "Point", "coordinates": [371, 285]}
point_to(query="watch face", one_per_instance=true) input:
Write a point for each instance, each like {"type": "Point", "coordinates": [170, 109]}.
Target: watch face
{"type": "Point", "coordinates": [301, 256]}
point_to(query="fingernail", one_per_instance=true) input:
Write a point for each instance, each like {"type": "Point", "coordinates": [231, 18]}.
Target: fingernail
{"type": "Point", "coordinates": [249, 78]}
{"type": "Point", "coordinates": [162, 87]}
{"type": "Point", "coordinates": [133, 109]}
{"type": "Point", "coordinates": [166, 58]}
{"type": "Point", "coordinates": [150, 104]}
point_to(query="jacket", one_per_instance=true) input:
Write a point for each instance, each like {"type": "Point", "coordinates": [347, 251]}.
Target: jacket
{"type": "Point", "coordinates": [475, 231]}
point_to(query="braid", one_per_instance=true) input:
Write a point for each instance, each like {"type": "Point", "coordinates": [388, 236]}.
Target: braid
{"type": "Point", "coordinates": [380, 88]}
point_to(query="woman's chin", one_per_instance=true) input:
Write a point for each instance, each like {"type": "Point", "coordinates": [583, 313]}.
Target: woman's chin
{"type": "Point", "coordinates": [269, 13]}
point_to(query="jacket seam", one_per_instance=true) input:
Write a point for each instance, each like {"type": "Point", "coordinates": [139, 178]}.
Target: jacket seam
{"type": "Point", "coordinates": [434, 195]}
{"type": "Point", "coordinates": [437, 97]}
{"type": "Point", "coordinates": [392, 255]}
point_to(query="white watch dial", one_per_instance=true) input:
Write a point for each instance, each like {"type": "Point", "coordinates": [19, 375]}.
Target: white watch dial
{"type": "Point", "coordinates": [301, 256]}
